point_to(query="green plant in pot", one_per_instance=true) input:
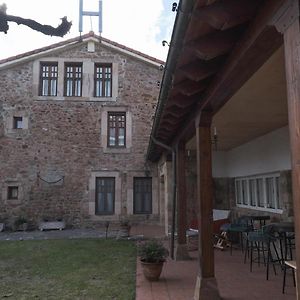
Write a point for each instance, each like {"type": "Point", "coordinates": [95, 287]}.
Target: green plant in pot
{"type": "Point", "coordinates": [21, 223]}
{"type": "Point", "coordinates": [152, 254]}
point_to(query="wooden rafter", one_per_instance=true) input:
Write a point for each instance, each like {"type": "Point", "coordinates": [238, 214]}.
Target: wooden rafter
{"type": "Point", "coordinates": [189, 87]}
{"type": "Point", "coordinates": [215, 44]}
{"type": "Point", "coordinates": [183, 102]}
{"type": "Point", "coordinates": [201, 69]}
{"type": "Point", "coordinates": [227, 13]}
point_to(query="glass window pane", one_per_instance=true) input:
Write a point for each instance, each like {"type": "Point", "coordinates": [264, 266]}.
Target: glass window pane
{"type": "Point", "coordinates": [244, 192]}
{"type": "Point", "coordinates": [278, 202]}
{"type": "Point", "coordinates": [270, 192]}
{"type": "Point", "coordinates": [103, 80]}
{"type": "Point", "coordinates": [252, 193]}
{"type": "Point", "coordinates": [105, 195]}
{"type": "Point", "coordinates": [142, 195]}
{"type": "Point", "coordinates": [238, 192]}
{"type": "Point", "coordinates": [260, 192]}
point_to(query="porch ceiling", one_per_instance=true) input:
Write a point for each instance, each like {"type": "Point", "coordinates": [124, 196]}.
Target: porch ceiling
{"type": "Point", "coordinates": [216, 46]}
{"type": "Point", "coordinates": [259, 107]}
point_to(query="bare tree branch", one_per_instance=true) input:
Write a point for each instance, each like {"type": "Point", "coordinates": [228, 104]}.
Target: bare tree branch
{"type": "Point", "coordinates": [60, 30]}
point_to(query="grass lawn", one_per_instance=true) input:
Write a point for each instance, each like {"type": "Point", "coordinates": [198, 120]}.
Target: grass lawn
{"type": "Point", "coordinates": [67, 269]}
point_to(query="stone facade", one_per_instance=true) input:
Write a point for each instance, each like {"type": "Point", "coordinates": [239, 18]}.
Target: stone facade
{"type": "Point", "coordinates": [54, 160]}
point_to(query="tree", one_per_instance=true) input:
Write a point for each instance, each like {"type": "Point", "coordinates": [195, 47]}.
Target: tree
{"type": "Point", "coordinates": [60, 30]}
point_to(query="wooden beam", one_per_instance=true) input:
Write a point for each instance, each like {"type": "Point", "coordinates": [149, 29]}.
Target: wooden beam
{"type": "Point", "coordinates": [181, 194]}
{"type": "Point", "coordinates": [181, 249]}
{"type": "Point", "coordinates": [200, 69]}
{"type": "Point", "coordinates": [292, 63]}
{"type": "Point", "coordinates": [205, 200]}
{"type": "Point", "coordinates": [215, 44]}
{"type": "Point", "coordinates": [182, 101]}
{"type": "Point", "coordinates": [177, 111]}
{"type": "Point", "coordinates": [226, 14]}
{"type": "Point", "coordinates": [189, 87]}
{"type": "Point", "coordinates": [206, 287]}
{"type": "Point", "coordinates": [244, 60]}
{"type": "Point", "coordinates": [259, 42]}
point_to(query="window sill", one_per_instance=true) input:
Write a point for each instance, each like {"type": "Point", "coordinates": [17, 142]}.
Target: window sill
{"type": "Point", "coordinates": [272, 210]}
{"type": "Point", "coordinates": [117, 150]}
{"type": "Point", "coordinates": [13, 202]}
{"type": "Point", "coordinates": [84, 99]}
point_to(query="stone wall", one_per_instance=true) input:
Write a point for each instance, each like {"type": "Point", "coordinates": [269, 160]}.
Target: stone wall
{"type": "Point", "coordinates": [63, 140]}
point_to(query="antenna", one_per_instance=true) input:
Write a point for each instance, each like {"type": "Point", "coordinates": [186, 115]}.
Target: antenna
{"type": "Point", "coordinates": [91, 14]}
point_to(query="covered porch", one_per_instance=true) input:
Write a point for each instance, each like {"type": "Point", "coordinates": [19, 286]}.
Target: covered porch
{"type": "Point", "coordinates": [226, 130]}
{"type": "Point", "coordinates": [178, 280]}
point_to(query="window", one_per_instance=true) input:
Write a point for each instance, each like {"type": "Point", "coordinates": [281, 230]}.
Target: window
{"type": "Point", "coordinates": [142, 199]}
{"type": "Point", "coordinates": [258, 192]}
{"type": "Point", "coordinates": [105, 195]}
{"type": "Point", "coordinates": [17, 122]}
{"type": "Point", "coordinates": [73, 80]}
{"type": "Point", "coordinates": [116, 129]}
{"type": "Point", "coordinates": [103, 80]}
{"type": "Point", "coordinates": [48, 79]}
{"type": "Point", "coordinates": [12, 192]}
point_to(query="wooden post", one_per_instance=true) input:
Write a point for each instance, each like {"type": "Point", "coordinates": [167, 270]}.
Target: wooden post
{"type": "Point", "coordinates": [181, 248]}
{"type": "Point", "coordinates": [206, 286]}
{"type": "Point", "coordinates": [292, 66]}
{"type": "Point", "coordinates": [286, 22]}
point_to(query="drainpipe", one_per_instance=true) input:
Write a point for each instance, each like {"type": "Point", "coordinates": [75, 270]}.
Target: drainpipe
{"type": "Point", "coordinates": [174, 188]}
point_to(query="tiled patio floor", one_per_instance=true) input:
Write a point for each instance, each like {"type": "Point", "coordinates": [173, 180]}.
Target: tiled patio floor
{"type": "Point", "coordinates": [234, 278]}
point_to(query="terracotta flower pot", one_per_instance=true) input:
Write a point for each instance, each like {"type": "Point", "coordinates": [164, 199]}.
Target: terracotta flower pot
{"type": "Point", "coordinates": [152, 271]}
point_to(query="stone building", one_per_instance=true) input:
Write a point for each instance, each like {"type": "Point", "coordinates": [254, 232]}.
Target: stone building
{"type": "Point", "coordinates": [75, 122]}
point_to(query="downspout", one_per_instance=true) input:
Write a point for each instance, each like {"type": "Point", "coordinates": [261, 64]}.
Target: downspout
{"type": "Point", "coordinates": [174, 190]}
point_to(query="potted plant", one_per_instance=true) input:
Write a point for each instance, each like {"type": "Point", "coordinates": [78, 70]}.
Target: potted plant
{"type": "Point", "coordinates": [124, 230]}
{"type": "Point", "coordinates": [152, 254]}
{"type": "Point", "coordinates": [20, 224]}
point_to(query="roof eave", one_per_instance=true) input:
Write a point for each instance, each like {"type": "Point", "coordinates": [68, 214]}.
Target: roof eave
{"type": "Point", "coordinates": [182, 20]}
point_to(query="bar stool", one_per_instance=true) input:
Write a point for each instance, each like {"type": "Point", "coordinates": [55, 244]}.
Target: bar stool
{"type": "Point", "coordinates": [261, 241]}
{"type": "Point", "coordinates": [289, 264]}
{"type": "Point", "coordinates": [241, 227]}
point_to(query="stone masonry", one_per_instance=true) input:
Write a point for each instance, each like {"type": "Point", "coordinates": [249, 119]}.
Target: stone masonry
{"type": "Point", "coordinates": [64, 140]}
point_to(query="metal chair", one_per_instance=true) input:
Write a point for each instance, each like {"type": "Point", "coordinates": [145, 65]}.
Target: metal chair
{"type": "Point", "coordinates": [291, 264]}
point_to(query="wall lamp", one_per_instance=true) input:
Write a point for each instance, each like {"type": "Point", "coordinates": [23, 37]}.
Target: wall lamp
{"type": "Point", "coordinates": [164, 43]}
{"type": "Point", "coordinates": [174, 6]}
{"type": "Point", "coordinates": [214, 139]}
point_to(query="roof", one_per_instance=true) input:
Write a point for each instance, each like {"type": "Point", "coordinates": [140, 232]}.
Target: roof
{"type": "Point", "coordinates": [216, 46]}
{"type": "Point", "coordinates": [84, 38]}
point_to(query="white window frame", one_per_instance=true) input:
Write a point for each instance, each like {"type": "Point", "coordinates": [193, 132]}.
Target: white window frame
{"type": "Point", "coordinates": [246, 203]}
{"type": "Point", "coordinates": [88, 69]}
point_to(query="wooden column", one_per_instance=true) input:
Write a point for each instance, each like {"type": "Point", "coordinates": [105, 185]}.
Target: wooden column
{"type": "Point", "coordinates": [292, 65]}
{"type": "Point", "coordinates": [206, 286]}
{"type": "Point", "coordinates": [181, 248]}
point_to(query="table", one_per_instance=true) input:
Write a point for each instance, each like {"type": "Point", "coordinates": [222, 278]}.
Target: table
{"type": "Point", "coordinates": [261, 218]}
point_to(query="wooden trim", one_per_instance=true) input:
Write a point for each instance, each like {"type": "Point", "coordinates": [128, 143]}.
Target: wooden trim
{"type": "Point", "coordinates": [292, 67]}
{"type": "Point", "coordinates": [205, 200]}
{"type": "Point", "coordinates": [181, 194]}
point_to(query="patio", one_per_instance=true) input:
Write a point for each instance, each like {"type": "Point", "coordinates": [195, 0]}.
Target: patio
{"type": "Point", "coordinates": [235, 281]}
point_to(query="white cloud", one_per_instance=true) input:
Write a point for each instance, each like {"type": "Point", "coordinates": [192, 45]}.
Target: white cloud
{"type": "Point", "coordinates": [138, 24]}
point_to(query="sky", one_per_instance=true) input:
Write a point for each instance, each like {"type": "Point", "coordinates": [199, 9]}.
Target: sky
{"type": "Point", "coordinates": [138, 24]}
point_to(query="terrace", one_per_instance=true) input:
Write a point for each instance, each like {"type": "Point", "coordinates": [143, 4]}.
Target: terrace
{"type": "Point", "coordinates": [235, 281]}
